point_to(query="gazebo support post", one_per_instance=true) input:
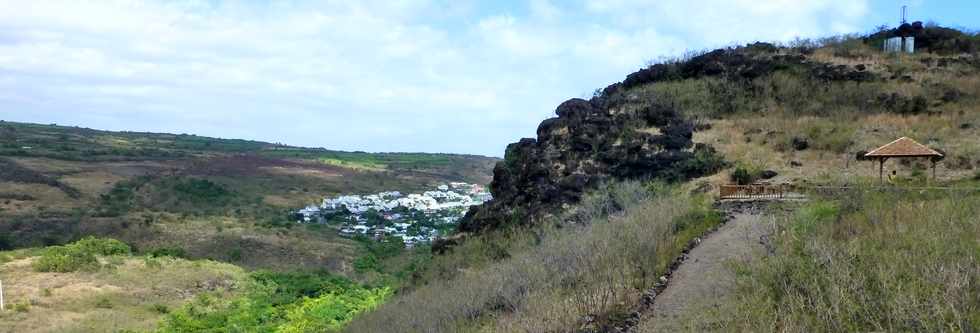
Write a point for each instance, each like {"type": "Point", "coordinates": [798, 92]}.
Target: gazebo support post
{"type": "Point", "coordinates": [881, 170]}
{"type": "Point", "coordinates": [933, 170]}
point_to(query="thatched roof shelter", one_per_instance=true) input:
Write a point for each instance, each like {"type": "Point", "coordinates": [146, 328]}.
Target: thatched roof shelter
{"type": "Point", "coordinates": [903, 147]}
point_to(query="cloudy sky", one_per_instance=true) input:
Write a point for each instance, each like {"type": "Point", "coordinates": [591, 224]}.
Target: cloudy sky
{"type": "Point", "coordinates": [429, 75]}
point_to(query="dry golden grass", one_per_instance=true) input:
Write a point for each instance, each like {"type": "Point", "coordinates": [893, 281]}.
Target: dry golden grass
{"type": "Point", "coordinates": [92, 183]}
{"type": "Point", "coordinates": [233, 240]}
{"type": "Point", "coordinates": [552, 279]}
{"type": "Point", "coordinates": [131, 293]}
{"type": "Point", "coordinates": [863, 261]}
{"type": "Point", "coordinates": [45, 198]}
{"type": "Point", "coordinates": [863, 133]}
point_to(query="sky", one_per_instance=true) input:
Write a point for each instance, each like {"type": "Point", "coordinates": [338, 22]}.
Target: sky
{"type": "Point", "coordinates": [452, 76]}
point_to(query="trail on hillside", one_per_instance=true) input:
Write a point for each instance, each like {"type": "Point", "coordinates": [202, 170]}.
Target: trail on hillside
{"type": "Point", "coordinates": [704, 279]}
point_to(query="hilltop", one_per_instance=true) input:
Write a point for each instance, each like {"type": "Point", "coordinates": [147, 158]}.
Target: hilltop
{"type": "Point", "coordinates": [591, 217]}
{"type": "Point", "coordinates": [799, 111]}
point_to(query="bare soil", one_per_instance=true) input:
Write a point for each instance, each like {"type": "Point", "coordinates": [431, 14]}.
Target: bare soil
{"type": "Point", "coordinates": [705, 278]}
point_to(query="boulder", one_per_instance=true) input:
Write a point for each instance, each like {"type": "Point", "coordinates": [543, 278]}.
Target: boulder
{"type": "Point", "coordinates": [800, 143]}
{"type": "Point", "coordinates": [768, 174]}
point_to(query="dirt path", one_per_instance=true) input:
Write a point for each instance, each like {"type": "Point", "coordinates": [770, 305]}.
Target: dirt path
{"type": "Point", "coordinates": [704, 279]}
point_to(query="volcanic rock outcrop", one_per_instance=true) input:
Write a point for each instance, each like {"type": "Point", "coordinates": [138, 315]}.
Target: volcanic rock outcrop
{"type": "Point", "coordinates": [617, 135]}
{"type": "Point", "coordinates": [587, 144]}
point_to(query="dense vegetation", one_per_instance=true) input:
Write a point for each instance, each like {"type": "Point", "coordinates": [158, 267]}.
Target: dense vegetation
{"type": "Point", "coordinates": [79, 255]}
{"type": "Point", "coordinates": [279, 302]}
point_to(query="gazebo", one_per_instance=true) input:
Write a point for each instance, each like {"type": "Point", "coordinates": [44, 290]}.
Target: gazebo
{"type": "Point", "coordinates": [903, 148]}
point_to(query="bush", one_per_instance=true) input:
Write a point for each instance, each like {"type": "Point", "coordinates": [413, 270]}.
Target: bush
{"type": "Point", "coordinates": [366, 263]}
{"type": "Point", "coordinates": [201, 190]}
{"type": "Point", "coordinates": [64, 259]}
{"type": "Point", "coordinates": [160, 308]}
{"type": "Point", "coordinates": [743, 176]}
{"type": "Point", "coordinates": [79, 255]}
{"type": "Point", "coordinates": [118, 201]}
{"type": "Point", "coordinates": [103, 303]}
{"type": "Point", "coordinates": [21, 306]}
{"type": "Point", "coordinates": [102, 246]}
{"type": "Point", "coordinates": [332, 311]}
{"type": "Point", "coordinates": [173, 252]}
{"type": "Point", "coordinates": [278, 302]}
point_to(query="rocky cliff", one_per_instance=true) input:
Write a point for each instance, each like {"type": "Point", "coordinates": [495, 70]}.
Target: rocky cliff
{"type": "Point", "coordinates": [586, 144]}
{"type": "Point", "coordinates": [623, 134]}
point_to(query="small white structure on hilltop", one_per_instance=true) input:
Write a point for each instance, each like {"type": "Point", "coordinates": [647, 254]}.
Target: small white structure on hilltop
{"type": "Point", "coordinates": [903, 42]}
{"type": "Point", "coordinates": [900, 44]}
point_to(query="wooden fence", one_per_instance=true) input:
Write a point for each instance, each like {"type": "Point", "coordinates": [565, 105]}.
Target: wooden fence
{"type": "Point", "coordinates": [791, 191]}
{"type": "Point", "coordinates": [754, 191]}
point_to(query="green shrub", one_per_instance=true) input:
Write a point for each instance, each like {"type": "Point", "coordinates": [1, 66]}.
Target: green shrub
{"type": "Point", "coordinates": [79, 255]}
{"type": "Point", "coordinates": [742, 176]}
{"type": "Point", "coordinates": [201, 190]}
{"type": "Point", "coordinates": [293, 285]}
{"type": "Point", "coordinates": [103, 303]}
{"type": "Point", "coordinates": [102, 246]}
{"type": "Point", "coordinates": [332, 311]}
{"type": "Point", "coordinates": [64, 259]}
{"type": "Point", "coordinates": [24, 306]}
{"type": "Point", "coordinates": [278, 302]}
{"type": "Point", "coordinates": [118, 201]}
{"type": "Point", "coordinates": [160, 308]}
{"type": "Point", "coordinates": [173, 252]}
{"type": "Point", "coordinates": [366, 263]}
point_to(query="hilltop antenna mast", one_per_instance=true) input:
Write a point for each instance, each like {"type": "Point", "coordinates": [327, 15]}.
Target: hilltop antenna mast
{"type": "Point", "coordinates": [903, 15]}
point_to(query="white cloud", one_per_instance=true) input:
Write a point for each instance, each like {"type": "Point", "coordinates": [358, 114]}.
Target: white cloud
{"type": "Point", "coordinates": [373, 75]}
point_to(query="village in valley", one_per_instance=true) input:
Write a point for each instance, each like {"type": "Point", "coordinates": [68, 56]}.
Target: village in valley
{"type": "Point", "coordinates": [414, 218]}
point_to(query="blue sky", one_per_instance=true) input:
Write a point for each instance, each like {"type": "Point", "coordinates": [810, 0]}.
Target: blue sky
{"type": "Point", "coordinates": [429, 75]}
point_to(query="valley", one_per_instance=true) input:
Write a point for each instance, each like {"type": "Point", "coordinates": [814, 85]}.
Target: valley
{"type": "Point", "coordinates": [612, 218]}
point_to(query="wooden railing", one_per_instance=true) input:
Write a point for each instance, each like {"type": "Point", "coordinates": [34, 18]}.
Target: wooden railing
{"type": "Point", "coordinates": [792, 191]}
{"type": "Point", "coordinates": [754, 191]}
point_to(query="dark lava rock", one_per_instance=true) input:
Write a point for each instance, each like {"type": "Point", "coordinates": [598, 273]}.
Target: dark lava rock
{"type": "Point", "coordinates": [584, 146]}
{"type": "Point", "coordinates": [768, 174]}
{"type": "Point", "coordinates": [966, 126]}
{"type": "Point", "coordinates": [795, 164]}
{"type": "Point", "coordinates": [951, 95]}
{"type": "Point", "coordinates": [800, 143]}
{"type": "Point", "coordinates": [859, 155]}
{"type": "Point", "coordinates": [829, 72]}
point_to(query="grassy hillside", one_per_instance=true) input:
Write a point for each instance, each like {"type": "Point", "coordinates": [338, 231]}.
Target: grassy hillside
{"type": "Point", "coordinates": [864, 260]}
{"type": "Point", "coordinates": [52, 290]}
{"type": "Point", "coordinates": [203, 219]}
{"type": "Point", "coordinates": [99, 285]}
{"type": "Point", "coordinates": [557, 278]}
{"type": "Point", "coordinates": [213, 198]}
